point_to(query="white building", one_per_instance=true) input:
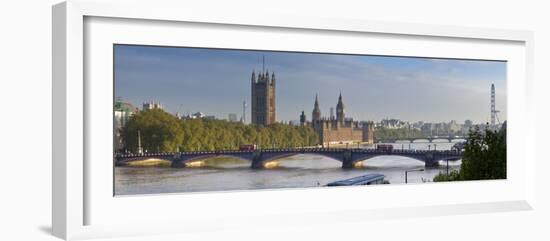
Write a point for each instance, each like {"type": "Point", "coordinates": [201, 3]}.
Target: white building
{"type": "Point", "coordinates": [122, 113]}
{"type": "Point", "coordinates": [152, 105]}
{"type": "Point", "coordinates": [232, 117]}
{"type": "Point", "coordinates": [393, 124]}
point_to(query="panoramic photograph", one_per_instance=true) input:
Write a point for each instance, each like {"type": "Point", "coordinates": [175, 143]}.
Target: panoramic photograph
{"type": "Point", "coordinates": [189, 119]}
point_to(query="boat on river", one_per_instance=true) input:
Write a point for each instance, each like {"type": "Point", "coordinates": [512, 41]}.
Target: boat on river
{"type": "Point", "coordinates": [369, 179]}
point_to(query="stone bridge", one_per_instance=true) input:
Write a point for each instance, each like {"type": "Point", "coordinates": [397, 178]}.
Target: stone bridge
{"type": "Point", "coordinates": [429, 139]}
{"type": "Point", "coordinates": [257, 158]}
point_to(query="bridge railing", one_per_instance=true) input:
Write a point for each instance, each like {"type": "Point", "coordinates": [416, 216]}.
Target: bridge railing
{"type": "Point", "coordinates": [297, 150]}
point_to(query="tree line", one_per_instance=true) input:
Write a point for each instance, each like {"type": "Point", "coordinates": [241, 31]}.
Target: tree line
{"type": "Point", "coordinates": [162, 132]}
{"type": "Point", "coordinates": [381, 133]}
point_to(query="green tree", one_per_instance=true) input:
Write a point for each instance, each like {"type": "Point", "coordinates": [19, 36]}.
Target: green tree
{"type": "Point", "coordinates": [159, 131]}
{"type": "Point", "coordinates": [381, 132]}
{"type": "Point", "coordinates": [484, 157]}
{"type": "Point", "coordinates": [443, 177]}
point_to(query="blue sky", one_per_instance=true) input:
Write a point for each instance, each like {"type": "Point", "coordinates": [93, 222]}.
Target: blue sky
{"type": "Point", "coordinates": [216, 81]}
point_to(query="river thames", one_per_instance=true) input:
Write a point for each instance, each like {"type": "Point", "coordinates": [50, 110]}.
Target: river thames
{"type": "Point", "coordinates": [299, 171]}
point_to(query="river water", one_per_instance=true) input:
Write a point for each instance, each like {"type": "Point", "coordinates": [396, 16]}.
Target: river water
{"type": "Point", "coordinates": [299, 171]}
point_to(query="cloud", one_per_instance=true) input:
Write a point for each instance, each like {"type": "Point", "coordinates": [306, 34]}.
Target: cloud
{"type": "Point", "coordinates": [216, 81]}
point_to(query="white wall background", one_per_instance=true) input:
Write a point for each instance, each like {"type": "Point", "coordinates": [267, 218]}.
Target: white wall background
{"type": "Point", "coordinates": [25, 119]}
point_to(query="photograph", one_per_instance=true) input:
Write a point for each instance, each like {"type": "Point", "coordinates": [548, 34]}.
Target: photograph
{"type": "Point", "coordinates": [196, 119]}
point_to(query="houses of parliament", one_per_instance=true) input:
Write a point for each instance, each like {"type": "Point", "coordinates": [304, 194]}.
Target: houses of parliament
{"type": "Point", "coordinates": [339, 129]}
{"type": "Point", "coordinates": [330, 130]}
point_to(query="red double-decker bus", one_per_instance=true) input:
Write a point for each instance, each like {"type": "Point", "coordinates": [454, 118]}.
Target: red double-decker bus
{"type": "Point", "coordinates": [249, 147]}
{"type": "Point", "coordinates": [384, 147]}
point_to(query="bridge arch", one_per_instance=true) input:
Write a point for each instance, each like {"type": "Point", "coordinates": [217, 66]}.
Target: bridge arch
{"type": "Point", "coordinates": [125, 160]}
{"type": "Point", "coordinates": [412, 158]}
{"type": "Point", "coordinates": [348, 157]}
{"type": "Point", "coordinates": [420, 140]}
{"type": "Point", "coordinates": [441, 139]}
{"type": "Point", "coordinates": [355, 156]}
{"type": "Point", "coordinates": [456, 140]}
{"type": "Point", "coordinates": [268, 155]}
{"type": "Point", "coordinates": [206, 156]}
{"type": "Point", "coordinates": [401, 141]}
{"type": "Point", "coordinates": [272, 156]}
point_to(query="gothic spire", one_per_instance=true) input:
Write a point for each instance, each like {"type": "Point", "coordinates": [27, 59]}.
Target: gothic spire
{"type": "Point", "coordinates": [316, 106]}
{"type": "Point", "coordinates": [340, 114]}
{"type": "Point", "coordinates": [316, 114]}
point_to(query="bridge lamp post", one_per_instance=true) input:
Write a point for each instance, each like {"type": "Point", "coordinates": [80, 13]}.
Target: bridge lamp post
{"type": "Point", "coordinates": [447, 167]}
{"type": "Point", "coordinates": [414, 170]}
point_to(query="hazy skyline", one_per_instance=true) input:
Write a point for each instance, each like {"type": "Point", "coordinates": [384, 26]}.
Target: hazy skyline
{"type": "Point", "coordinates": [216, 81]}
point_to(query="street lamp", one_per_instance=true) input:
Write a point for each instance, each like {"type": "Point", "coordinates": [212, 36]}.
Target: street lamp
{"type": "Point", "coordinates": [447, 167]}
{"type": "Point", "coordinates": [413, 170]}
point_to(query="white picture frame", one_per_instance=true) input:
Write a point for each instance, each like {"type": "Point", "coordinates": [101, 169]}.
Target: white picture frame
{"type": "Point", "coordinates": [78, 195]}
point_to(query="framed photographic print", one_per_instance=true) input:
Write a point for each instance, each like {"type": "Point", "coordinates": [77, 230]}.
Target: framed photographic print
{"type": "Point", "coordinates": [161, 147]}
{"type": "Point", "coordinates": [280, 118]}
